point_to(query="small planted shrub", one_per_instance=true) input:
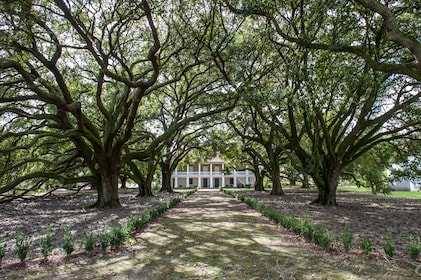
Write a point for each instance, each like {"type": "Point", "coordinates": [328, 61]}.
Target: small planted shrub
{"type": "Point", "coordinates": [134, 223]}
{"type": "Point", "coordinates": [22, 246]}
{"type": "Point", "coordinates": [46, 244]}
{"type": "Point", "coordinates": [117, 234]}
{"type": "Point", "coordinates": [2, 249]}
{"type": "Point", "coordinates": [346, 238]}
{"type": "Point", "coordinates": [366, 245]}
{"type": "Point", "coordinates": [414, 247]}
{"type": "Point", "coordinates": [321, 236]}
{"type": "Point", "coordinates": [306, 229]}
{"type": "Point", "coordinates": [389, 245]}
{"type": "Point", "coordinates": [146, 216]}
{"type": "Point", "coordinates": [68, 242]}
{"type": "Point", "coordinates": [104, 240]}
{"type": "Point", "coordinates": [88, 242]}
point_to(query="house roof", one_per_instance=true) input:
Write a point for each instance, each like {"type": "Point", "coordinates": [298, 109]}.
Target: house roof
{"type": "Point", "coordinates": [215, 160]}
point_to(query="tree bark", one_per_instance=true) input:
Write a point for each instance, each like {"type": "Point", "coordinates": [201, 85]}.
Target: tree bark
{"type": "Point", "coordinates": [258, 184]}
{"type": "Point", "coordinates": [276, 181]}
{"type": "Point", "coordinates": [107, 186]}
{"type": "Point", "coordinates": [327, 187]}
{"type": "Point", "coordinates": [146, 188]}
{"type": "Point", "coordinates": [166, 177]}
{"type": "Point", "coordinates": [305, 182]}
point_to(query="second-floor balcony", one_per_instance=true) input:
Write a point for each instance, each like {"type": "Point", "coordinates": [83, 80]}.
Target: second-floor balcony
{"type": "Point", "coordinates": [208, 173]}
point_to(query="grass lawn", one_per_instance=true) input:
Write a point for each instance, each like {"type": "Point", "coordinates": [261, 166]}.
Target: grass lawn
{"type": "Point", "coordinates": [394, 194]}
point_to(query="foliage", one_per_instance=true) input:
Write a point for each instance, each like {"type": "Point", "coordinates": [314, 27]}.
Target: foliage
{"type": "Point", "coordinates": [46, 244]}
{"type": "Point", "coordinates": [134, 223]}
{"type": "Point", "coordinates": [366, 245]}
{"type": "Point", "coordinates": [370, 170]}
{"type": "Point", "coordinates": [389, 245]}
{"type": "Point", "coordinates": [117, 235]}
{"type": "Point", "coordinates": [414, 247]}
{"type": "Point", "coordinates": [88, 242]}
{"type": "Point", "coordinates": [104, 240]}
{"type": "Point", "coordinates": [2, 249]}
{"type": "Point", "coordinates": [321, 236]}
{"type": "Point", "coordinates": [346, 238]}
{"type": "Point", "coordinates": [68, 241]}
{"type": "Point", "coordinates": [22, 245]}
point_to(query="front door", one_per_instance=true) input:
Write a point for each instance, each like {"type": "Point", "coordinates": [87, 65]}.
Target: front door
{"type": "Point", "coordinates": [216, 185]}
{"type": "Point", "coordinates": [205, 183]}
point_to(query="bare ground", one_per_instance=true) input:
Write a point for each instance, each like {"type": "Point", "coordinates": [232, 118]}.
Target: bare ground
{"type": "Point", "coordinates": [35, 217]}
{"type": "Point", "coordinates": [212, 236]}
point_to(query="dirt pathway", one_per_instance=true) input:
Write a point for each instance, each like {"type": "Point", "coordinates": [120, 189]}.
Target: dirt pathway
{"type": "Point", "coordinates": [213, 236]}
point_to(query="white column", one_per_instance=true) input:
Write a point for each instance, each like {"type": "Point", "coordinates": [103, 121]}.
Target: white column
{"type": "Point", "coordinates": [188, 176]}
{"type": "Point", "coordinates": [199, 177]}
{"type": "Point", "coordinates": [211, 177]}
{"type": "Point", "coordinates": [223, 175]}
{"type": "Point", "coordinates": [247, 177]}
{"type": "Point", "coordinates": [235, 178]}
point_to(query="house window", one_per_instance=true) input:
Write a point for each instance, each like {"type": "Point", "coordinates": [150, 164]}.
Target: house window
{"type": "Point", "coordinates": [190, 181]}
{"type": "Point", "coordinates": [231, 181]}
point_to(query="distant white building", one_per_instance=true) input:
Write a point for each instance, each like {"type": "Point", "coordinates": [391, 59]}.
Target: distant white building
{"type": "Point", "coordinates": [210, 174]}
{"type": "Point", "coordinates": [406, 185]}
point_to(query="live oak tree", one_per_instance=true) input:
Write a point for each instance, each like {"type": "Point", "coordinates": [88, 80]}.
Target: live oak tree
{"type": "Point", "coordinates": [80, 69]}
{"type": "Point", "coordinates": [183, 109]}
{"type": "Point", "coordinates": [354, 85]}
{"type": "Point", "coordinates": [249, 125]}
{"type": "Point", "coordinates": [345, 111]}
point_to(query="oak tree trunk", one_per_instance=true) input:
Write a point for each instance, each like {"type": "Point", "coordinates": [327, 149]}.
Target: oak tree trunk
{"type": "Point", "coordinates": [327, 187]}
{"type": "Point", "coordinates": [276, 182]}
{"type": "Point", "coordinates": [258, 185]}
{"type": "Point", "coordinates": [166, 178]}
{"type": "Point", "coordinates": [305, 181]}
{"type": "Point", "coordinates": [107, 188]}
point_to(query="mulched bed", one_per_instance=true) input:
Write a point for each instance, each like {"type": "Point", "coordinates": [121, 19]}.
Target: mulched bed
{"type": "Point", "coordinates": [35, 217]}
{"type": "Point", "coordinates": [374, 216]}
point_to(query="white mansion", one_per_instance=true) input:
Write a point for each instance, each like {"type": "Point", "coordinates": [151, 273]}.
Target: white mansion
{"type": "Point", "coordinates": [210, 174]}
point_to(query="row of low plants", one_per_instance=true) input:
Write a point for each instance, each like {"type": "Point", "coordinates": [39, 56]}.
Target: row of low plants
{"type": "Point", "coordinates": [319, 235]}
{"type": "Point", "coordinates": [116, 236]}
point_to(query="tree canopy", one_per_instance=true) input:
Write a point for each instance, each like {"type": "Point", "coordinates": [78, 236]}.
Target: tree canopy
{"type": "Point", "coordinates": [93, 91]}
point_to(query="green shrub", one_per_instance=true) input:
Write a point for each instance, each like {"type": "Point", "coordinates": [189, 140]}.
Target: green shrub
{"type": "Point", "coordinates": [2, 249]}
{"type": "Point", "coordinates": [346, 238]}
{"type": "Point", "coordinates": [366, 245]}
{"type": "Point", "coordinates": [88, 242]}
{"type": "Point", "coordinates": [306, 229]}
{"type": "Point", "coordinates": [104, 240]}
{"type": "Point", "coordinates": [146, 216]}
{"type": "Point", "coordinates": [321, 236]}
{"type": "Point", "coordinates": [134, 223]}
{"type": "Point", "coordinates": [414, 247]}
{"type": "Point", "coordinates": [389, 245]}
{"type": "Point", "coordinates": [68, 242]}
{"type": "Point", "coordinates": [117, 234]}
{"type": "Point", "coordinates": [22, 246]}
{"type": "Point", "coordinates": [46, 244]}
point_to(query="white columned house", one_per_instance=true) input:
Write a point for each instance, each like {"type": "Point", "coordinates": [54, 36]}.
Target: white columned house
{"type": "Point", "coordinates": [210, 174]}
